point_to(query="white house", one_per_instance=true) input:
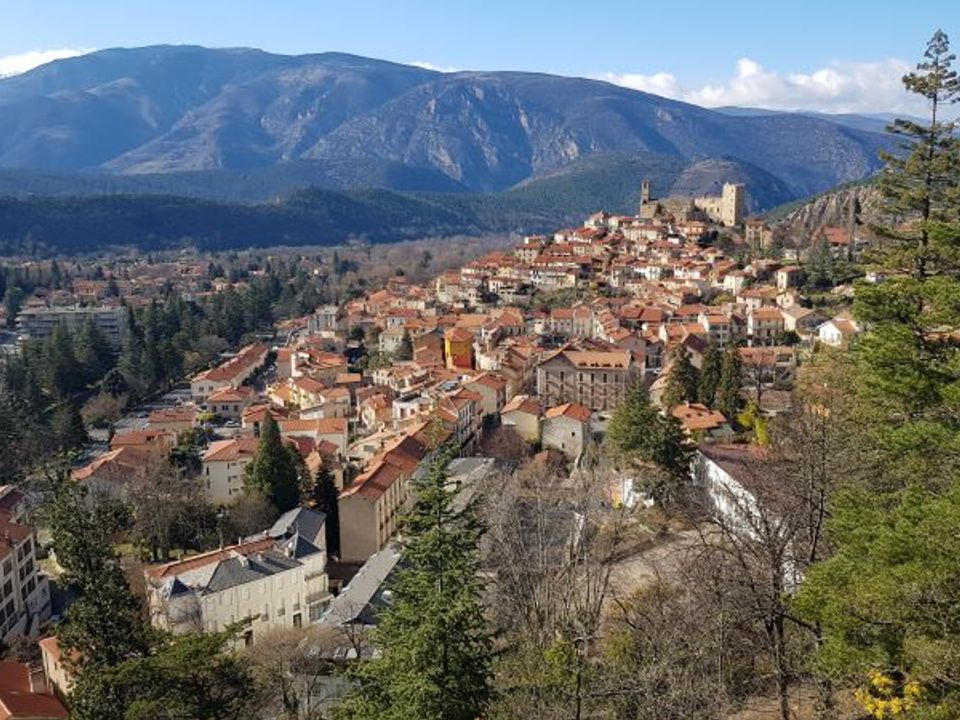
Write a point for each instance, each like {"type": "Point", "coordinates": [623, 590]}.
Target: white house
{"type": "Point", "coordinates": [273, 580]}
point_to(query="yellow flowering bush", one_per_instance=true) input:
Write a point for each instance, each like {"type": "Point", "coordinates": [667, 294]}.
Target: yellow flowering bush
{"type": "Point", "coordinates": [887, 696]}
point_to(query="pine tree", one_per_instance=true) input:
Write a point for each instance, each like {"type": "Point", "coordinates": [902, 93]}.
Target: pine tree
{"type": "Point", "coordinates": [682, 378]}
{"type": "Point", "coordinates": [885, 601]}
{"type": "Point", "coordinates": [435, 649]}
{"type": "Point", "coordinates": [103, 624]}
{"type": "Point", "coordinates": [274, 473]}
{"type": "Point", "coordinates": [731, 381]}
{"type": "Point", "coordinates": [405, 350]}
{"type": "Point", "coordinates": [640, 435]}
{"type": "Point", "coordinates": [93, 352]}
{"type": "Point", "coordinates": [910, 354]}
{"type": "Point", "coordinates": [67, 426]}
{"type": "Point", "coordinates": [62, 368]}
{"type": "Point", "coordinates": [325, 496]}
{"type": "Point", "coordinates": [710, 375]}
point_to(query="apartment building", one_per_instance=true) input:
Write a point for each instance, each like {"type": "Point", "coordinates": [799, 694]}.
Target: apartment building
{"type": "Point", "coordinates": [596, 379]}
{"type": "Point", "coordinates": [276, 579]}
{"type": "Point", "coordinates": [24, 590]}
{"type": "Point", "coordinates": [230, 374]}
{"type": "Point", "coordinates": [39, 323]}
{"type": "Point", "coordinates": [370, 508]}
{"type": "Point", "coordinates": [224, 463]}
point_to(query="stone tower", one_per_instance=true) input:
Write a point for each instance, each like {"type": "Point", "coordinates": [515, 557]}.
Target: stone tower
{"type": "Point", "coordinates": [732, 202]}
{"type": "Point", "coordinates": [644, 197]}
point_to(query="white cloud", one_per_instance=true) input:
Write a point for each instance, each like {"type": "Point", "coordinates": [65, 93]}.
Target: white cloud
{"type": "Point", "coordinates": [21, 63]}
{"type": "Point", "coordinates": [841, 87]}
{"type": "Point", "coordinates": [430, 66]}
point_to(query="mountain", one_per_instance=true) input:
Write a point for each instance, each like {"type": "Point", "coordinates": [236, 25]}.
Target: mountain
{"type": "Point", "coordinates": [242, 124]}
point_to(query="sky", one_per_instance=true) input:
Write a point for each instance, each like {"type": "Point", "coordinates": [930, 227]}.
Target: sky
{"type": "Point", "coordinates": [832, 56]}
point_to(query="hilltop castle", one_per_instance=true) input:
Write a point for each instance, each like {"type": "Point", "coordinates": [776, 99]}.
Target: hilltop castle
{"type": "Point", "coordinates": [725, 209]}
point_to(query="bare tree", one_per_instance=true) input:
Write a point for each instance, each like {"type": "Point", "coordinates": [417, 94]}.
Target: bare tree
{"type": "Point", "coordinates": [552, 546]}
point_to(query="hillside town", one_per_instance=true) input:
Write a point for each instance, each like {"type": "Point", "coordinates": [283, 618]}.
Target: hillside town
{"type": "Point", "coordinates": [517, 355]}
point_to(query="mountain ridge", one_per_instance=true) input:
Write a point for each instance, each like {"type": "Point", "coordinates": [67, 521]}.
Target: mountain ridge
{"type": "Point", "coordinates": [169, 110]}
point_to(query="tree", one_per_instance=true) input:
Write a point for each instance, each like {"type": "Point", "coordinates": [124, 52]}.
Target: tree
{"type": "Point", "coordinates": [325, 495]}
{"type": "Point", "coordinates": [191, 676]}
{"type": "Point", "coordinates": [821, 268]}
{"type": "Point", "coordinates": [405, 350]}
{"type": "Point", "coordinates": [710, 375]}
{"type": "Point", "coordinates": [435, 651]}
{"type": "Point", "coordinates": [93, 352]}
{"type": "Point", "coordinates": [63, 373]}
{"type": "Point", "coordinates": [887, 598]}
{"type": "Point", "coordinates": [12, 300]}
{"type": "Point", "coordinates": [640, 435]}
{"type": "Point", "coordinates": [274, 472]}
{"type": "Point", "coordinates": [167, 509]}
{"type": "Point", "coordinates": [67, 426]}
{"type": "Point", "coordinates": [682, 378]}
{"type": "Point", "coordinates": [103, 625]}
{"type": "Point", "coordinates": [731, 380]}
{"type": "Point", "coordinates": [882, 599]}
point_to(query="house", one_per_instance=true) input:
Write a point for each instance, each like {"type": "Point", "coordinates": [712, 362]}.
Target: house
{"type": "Point", "coordinates": [370, 508]}
{"type": "Point", "coordinates": [231, 373]}
{"type": "Point", "coordinates": [566, 428]}
{"type": "Point", "coordinates": [55, 668]}
{"type": "Point", "coordinates": [22, 697]}
{"type": "Point", "coordinates": [458, 348]}
{"type": "Point", "coordinates": [493, 392]}
{"type": "Point", "coordinates": [152, 442]}
{"type": "Point", "coordinates": [276, 579]}
{"type": "Point", "coordinates": [522, 413]}
{"type": "Point", "coordinates": [765, 325]}
{"type": "Point", "coordinates": [24, 590]}
{"type": "Point", "coordinates": [109, 472]}
{"type": "Point", "coordinates": [801, 320]}
{"type": "Point", "coordinates": [333, 430]}
{"type": "Point", "coordinates": [230, 402]}
{"type": "Point", "coordinates": [175, 419]}
{"type": "Point", "coordinates": [596, 379]}
{"type": "Point", "coordinates": [224, 463]}
{"type": "Point", "coordinates": [838, 332]}
{"type": "Point", "coordinates": [697, 419]}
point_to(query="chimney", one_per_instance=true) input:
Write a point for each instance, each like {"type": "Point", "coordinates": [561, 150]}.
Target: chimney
{"type": "Point", "coordinates": [38, 680]}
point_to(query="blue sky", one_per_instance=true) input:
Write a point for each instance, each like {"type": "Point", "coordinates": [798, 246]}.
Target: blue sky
{"type": "Point", "coordinates": [836, 56]}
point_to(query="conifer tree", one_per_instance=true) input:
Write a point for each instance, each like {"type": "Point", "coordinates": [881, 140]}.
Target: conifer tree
{"type": "Point", "coordinates": [93, 352]}
{"type": "Point", "coordinates": [886, 600]}
{"type": "Point", "coordinates": [731, 381]}
{"type": "Point", "coordinates": [710, 375]}
{"type": "Point", "coordinates": [67, 426]}
{"type": "Point", "coordinates": [325, 497]}
{"type": "Point", "coordinates": [274, 472]}
{"type": "Point", "coordinates": [639, 435]}
{"type": "Point", "coordinates": [405, 351]}
{"type": "Point", "coordinates": [435, 649]}
{"type": "Point", "coordinates": [682, 378]}
{"type": "Point", "coordinates": [103, 624]}
{"type": "Point", "coordinates": [910, 354]}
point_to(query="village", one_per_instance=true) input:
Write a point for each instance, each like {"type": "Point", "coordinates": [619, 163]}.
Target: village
{"type": "Point", "coordinates": [518, 355]}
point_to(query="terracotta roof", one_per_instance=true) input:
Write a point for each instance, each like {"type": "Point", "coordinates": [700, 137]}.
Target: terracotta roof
{"type": "Point", "coordinates": [143, 437]}
{"type": "Point", "coordinates": [569, 410]}
{"type": "Point", "coordinates": [524, 404]}
{"type": "Point", "coordinates": [231, 394]}
{"type": "Point", "coordinates": [244, 446]}
{"type": "Point", "coordinates": [322, 426]}
{"type": "Point", "coordinates": [123, 458]}
{"type": "Point", "coordinates": [196, 561]}
{"type": "Point", "coordinates": [695, 416]}
{"type": "Point", "coordinates": [19, 702]}
{"type": "Point", "coordinates": [177, 414]}
{"type": "Point", "coordinates": [598, 359]}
